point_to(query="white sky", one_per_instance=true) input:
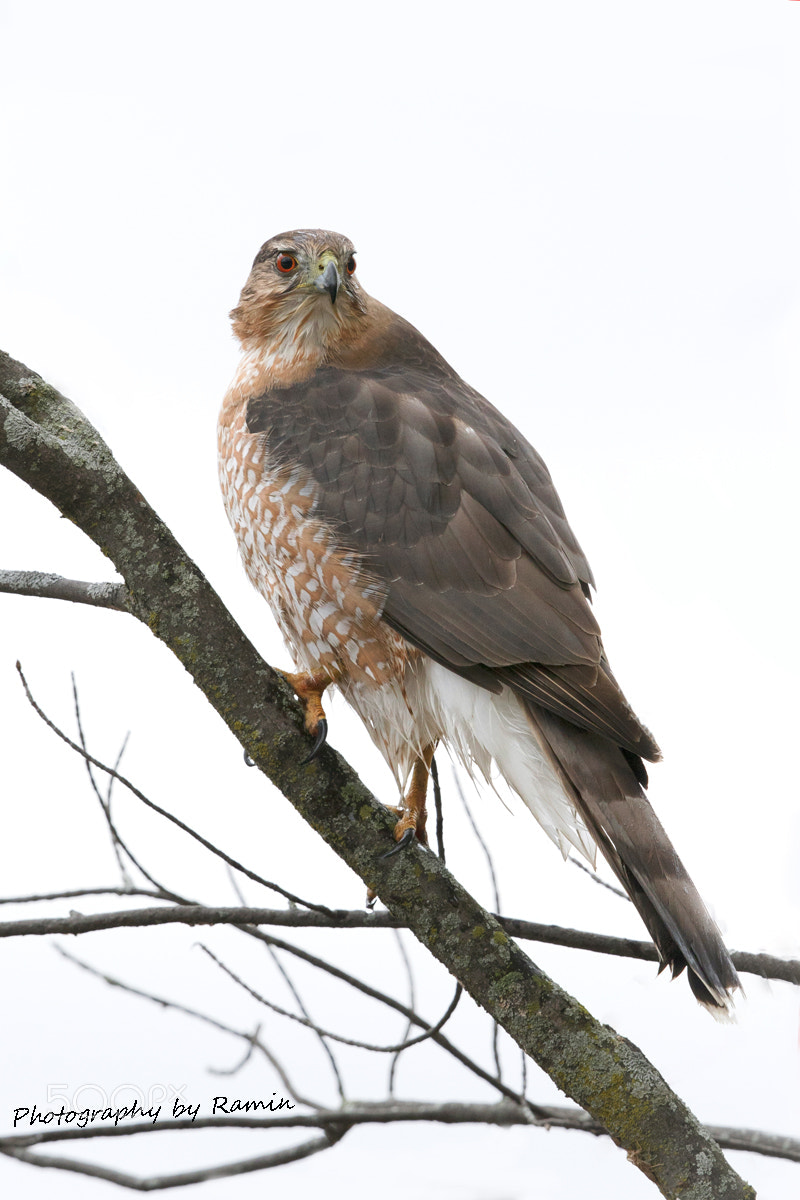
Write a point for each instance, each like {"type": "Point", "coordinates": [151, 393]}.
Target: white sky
{"type": "Point", "coordinates": [592, 211]}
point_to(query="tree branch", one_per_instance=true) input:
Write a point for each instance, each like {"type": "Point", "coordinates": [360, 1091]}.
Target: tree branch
{"type": "Point", "coordinates": [505, 1114]}
{"type": "Point", "coordinates": [77, 893]}
{"type": "Point", "coordinates": [390, 1001]}
{"type": "Point", "coordinates": [56, 587]}
{"type": "Point", "coordinates": [156, 1183]}
{"type": "Point", "coordinates": [766, 966]}
{"type": "Point", "coordinates": [48, 443]}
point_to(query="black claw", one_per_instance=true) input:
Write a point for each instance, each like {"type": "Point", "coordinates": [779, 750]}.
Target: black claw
{"type": "Point", "coordinates": [371, 902]}
{"type": "Point", "coordinates": [319, 741]}
{"type": "Point", "coordinates": [248, 762]}
{"type": "Point", "coordinates": [408, 837]}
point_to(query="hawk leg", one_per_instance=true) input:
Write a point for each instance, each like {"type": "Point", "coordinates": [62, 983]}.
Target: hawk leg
{"type": "Point", "coordinates": [309, 688]}
{"type": "Point", "coordinates": [414, 815]}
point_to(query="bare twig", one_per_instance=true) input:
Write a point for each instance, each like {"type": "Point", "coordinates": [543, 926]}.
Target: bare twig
{"type": "Point", "coordinates": [297, 997]}
{"type": "Point", "coordinates": [412, 999]}
{"type": "Point", "coordinates": [78, 893]}
{"type": "Point", "coordinates": [480, 839]}
{"type": "Point", "coordinates": [162, 812]}
{"type": "Point", "coordinates": [307, 1019]}
{"type": "Point", "coordinates": [438, 807]}
{"type": "Point", "coordinates": [105, 801]}
{"type": "Point", "coordinates": [119, 849]}
{"type": "Point", "coordinates": [390, 1001]}
{"type": "Point", "coordinates": [120, 846]}
{"type": "Point", "coordinates": [156, 1183]}
{"type": "Point", "coordinates": [575, 862]}
{"type": "Point", "coordinates": [336, 1037]}
{"type": "Point", "coordinates": [251, 1039]}
{"type": "Point", "coordinates": [56, 587]}
{"type": "Point", "coordinates": [495, 893]}
{"type": "Point", "coordinates": [243, 1061]}
{"type": "Point", "coordinates": [330, 969]}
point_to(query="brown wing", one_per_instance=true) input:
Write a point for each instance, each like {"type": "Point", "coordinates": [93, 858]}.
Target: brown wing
{"type": "Point", "coordinates": [457, 513]}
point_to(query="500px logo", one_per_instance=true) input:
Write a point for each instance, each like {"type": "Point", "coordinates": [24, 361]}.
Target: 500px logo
{"type": "Point", "coordinates": [124, 1093]}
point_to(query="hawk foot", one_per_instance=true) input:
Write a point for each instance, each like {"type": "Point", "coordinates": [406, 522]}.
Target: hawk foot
{"type": "Point", "coordinates": [309, 688]}
{"type": "Point", "coordinates": [319, 741]}
{"type": "Point", "coordinates": [405, 839]}
{"type": "Point", "coordinates": [413, 814]}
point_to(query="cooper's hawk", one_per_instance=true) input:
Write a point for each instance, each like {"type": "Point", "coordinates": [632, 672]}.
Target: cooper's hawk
{"type": "Point", "coordinates": [415, 553]}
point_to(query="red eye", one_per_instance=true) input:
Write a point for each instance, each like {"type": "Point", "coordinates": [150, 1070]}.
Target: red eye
{"type": "Point", "coordinates": [350, 265]}
{"type": "Point", "coordinates": [285, 263]}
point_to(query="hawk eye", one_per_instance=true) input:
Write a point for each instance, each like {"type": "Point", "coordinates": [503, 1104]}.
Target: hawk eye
{"type": "Point", "coordinates": [350, 265]}
{"type": "Point", "coordinates": [286, 263]}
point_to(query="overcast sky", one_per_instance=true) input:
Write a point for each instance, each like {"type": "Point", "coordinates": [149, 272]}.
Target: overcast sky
{"type": "Point", "coordinates": [592, 211]}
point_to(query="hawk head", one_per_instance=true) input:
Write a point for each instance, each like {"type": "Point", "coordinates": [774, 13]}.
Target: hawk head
{"type": "Point", "coordinates": [300, 295]}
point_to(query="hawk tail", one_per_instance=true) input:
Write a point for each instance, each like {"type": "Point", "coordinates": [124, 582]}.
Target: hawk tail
{"type": "Point", "coordinates": [604, 784]}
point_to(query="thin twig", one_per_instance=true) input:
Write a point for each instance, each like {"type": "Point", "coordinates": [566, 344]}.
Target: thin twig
{"type": "Point", "coordinates": [109, 793]}
{"type": "Point", "coordinates": [298, 999]}
{"type": "Point", "coordinates": [337, 973]}
{"type": "Point", "coordinates": [105, 801]}
{"type": "Point", "coordinates": [336, 1037]}
{"type": "Point", "coordinates": [250, 1038]}
{"type": "Point", "coordinates": [440, 1038]}
{"type": "Point", "coordinates": [307, 1016]}
{"type": "Point", "coordinates": [437, 803]}
{"type": "Point", "coordinates": [412, 999]}
{"type": "Point", "coordinates": [77, 893]}
{"type": "Point", "coordinates": [496, 893]}
{"type": "Point", "coordinates": [243, 1061]}
{"type": "Point", "coordinates": [155, 1183]}
{"type": "Point", "coordinates": [481, 841]}
{"type": "Point", "coordinates": [234, 882]}
{"type": "Point", "coordinates": [321, 908]}
{"type": "Point", "coordinates": [593, 875]}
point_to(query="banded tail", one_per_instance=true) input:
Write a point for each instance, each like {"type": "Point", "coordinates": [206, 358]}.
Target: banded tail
{"type": "Point", "coordinates": [605, 785]}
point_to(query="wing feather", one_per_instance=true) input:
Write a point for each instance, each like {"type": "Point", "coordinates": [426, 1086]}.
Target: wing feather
{"type": "Point", "coordinates": [449, 506]}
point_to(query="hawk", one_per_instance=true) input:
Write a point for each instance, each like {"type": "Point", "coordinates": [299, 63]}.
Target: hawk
{"type": "Point", "coordinates": [416, 554]}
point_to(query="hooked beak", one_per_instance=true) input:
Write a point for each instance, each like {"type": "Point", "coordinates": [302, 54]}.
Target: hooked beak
{"type": "Point", "coordinates": [328, 280]}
